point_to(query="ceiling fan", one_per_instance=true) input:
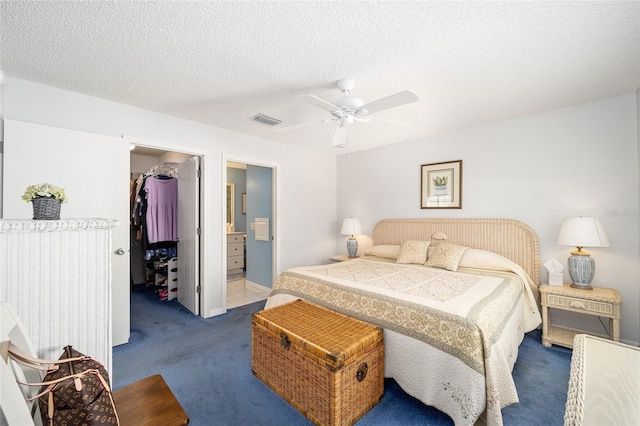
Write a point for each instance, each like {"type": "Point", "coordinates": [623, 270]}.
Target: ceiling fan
{"type": "Point", "coordinates": [347, 109]}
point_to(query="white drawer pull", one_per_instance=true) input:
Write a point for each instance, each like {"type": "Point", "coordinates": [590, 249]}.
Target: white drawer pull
{"type": "Point", "coordinates": [577, 304]}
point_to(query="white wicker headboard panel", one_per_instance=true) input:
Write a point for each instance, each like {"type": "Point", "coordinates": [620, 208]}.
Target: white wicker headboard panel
{"type": "Point", "coordinates": [510, 238]}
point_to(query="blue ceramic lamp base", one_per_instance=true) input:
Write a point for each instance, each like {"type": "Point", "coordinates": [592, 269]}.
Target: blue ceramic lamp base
{"type": "Point", "coordinates": [352, 247]}
{"type": "Point", "coordinates": [581, 268]}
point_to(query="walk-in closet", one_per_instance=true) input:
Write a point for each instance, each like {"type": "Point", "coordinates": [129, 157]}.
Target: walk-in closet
{"type": "Point", "coordinates": [156, 203]}
{"type": "Point", "coordinates": [154, 225]}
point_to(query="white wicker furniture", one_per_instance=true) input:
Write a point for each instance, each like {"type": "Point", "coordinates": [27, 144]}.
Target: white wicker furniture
{"type": "Point", "coordinates": [510, 238]}
{"type": "Point", "coordinates": [604, 385]}
{"type": "Point", "coordinates": [57, 276]}
{"type": "Point", "coordinates": [16, 410]}
{"type": "Point", "coordinates": [602, 302]}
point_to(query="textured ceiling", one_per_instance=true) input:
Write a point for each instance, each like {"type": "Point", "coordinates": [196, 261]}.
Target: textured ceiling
{"type": "Point", "coordinates": [222, 62]}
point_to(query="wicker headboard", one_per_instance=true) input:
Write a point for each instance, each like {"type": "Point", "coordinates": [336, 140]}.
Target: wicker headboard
{"type": "Point", "coordinates": [510, 238]}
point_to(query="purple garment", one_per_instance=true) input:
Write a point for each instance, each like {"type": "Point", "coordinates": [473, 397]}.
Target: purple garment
{"type": "Point", "coordinates": [162, 209]}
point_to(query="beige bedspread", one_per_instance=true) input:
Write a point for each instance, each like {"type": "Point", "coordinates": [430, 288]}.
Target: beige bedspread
{"type": "Point", "coordinates": [463, 314]}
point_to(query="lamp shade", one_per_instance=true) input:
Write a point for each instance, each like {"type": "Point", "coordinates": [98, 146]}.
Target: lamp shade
{"type": "Point", "coordinates": [582, 232]}
{"type": "Point", "coordinates": [351, 226]}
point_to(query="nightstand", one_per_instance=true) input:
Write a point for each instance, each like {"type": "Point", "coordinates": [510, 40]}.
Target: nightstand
{"type": "Point", "coordinates": [601, 302]}
{"type": "Point", "coordinates": [342, 258]}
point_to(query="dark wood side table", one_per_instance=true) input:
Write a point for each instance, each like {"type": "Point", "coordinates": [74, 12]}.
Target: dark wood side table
{"type": "Point", "coordinates": [149, 402]}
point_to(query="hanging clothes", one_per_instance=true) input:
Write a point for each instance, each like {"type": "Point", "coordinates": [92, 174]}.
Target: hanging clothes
{"type": "Point", "coordinates": [138, 185]}
{"type": "Point", "coordinates": [161, 217]}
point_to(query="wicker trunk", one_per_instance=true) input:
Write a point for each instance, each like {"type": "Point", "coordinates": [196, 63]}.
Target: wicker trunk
{"type": "Point", "coordinates": [330, 367]}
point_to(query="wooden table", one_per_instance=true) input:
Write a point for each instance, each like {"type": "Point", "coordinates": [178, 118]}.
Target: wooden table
{"type": "Point", "coordinates": [149, 402]}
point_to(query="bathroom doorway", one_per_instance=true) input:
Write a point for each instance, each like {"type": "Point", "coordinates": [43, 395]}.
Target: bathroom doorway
{"type": "Point", "coordinates": [251, 207]}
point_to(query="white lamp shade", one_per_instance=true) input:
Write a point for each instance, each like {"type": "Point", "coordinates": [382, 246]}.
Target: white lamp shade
{"type": "Point", "coordinates": [351, 226]}
{"type": "Point", "coordinates": [582, 232]}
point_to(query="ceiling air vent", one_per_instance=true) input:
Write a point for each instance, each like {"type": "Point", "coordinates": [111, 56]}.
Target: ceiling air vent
{"type": "Point", "coordinates": [266, 119]}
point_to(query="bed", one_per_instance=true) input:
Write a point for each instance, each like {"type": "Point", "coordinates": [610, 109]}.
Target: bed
{"type": "Point", "coordinates": [454, 297]}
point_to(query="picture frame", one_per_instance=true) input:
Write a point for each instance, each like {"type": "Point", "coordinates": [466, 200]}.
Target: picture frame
{"type": "Point", "coordinates": [441, 185]}
{"type": "Point", "coordinates": [244, 203]}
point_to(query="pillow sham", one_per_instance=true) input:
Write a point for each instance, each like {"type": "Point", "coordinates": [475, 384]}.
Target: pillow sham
{"type": "Point", "coordinates": [446, 256]}
{"type": "Point", "coordinates": [413, 251]}
{"type": "Point", "coordinates": [387, 251]}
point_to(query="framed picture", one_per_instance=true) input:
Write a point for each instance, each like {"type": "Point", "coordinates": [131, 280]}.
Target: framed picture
{"type": "Point", "coordinates": [244, 203]}
{"type": "Point", "coordinates": [441, 185]}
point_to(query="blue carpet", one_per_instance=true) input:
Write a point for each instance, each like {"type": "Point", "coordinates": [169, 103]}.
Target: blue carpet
{"type": "Point", "coordinates": [207, 364]}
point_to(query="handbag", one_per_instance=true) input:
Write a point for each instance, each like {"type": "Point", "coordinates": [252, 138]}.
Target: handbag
{"type": "Point", "coordinates": [75, 390]}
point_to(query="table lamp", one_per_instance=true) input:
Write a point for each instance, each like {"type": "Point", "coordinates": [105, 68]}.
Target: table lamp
{"type": "Point", "coordinates": [582, 232]}
{"type": "Point", "coordinates": [351, 226]}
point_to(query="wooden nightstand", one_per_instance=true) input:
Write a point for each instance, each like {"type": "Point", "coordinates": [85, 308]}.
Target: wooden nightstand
{"type": "Point", "coordinates": [342, 258]}
{"type": "Point", "coordinates": [601, 302]}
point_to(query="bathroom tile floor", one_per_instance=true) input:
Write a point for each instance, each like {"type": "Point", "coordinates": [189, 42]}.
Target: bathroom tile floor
{"type": "Point", "coordinates": [242, 292]}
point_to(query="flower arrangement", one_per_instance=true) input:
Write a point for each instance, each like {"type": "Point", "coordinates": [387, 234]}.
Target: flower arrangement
{"type": "Point", "coordinates": [441, 181]}
{"type": "Point", "coordinates": [44, 190]}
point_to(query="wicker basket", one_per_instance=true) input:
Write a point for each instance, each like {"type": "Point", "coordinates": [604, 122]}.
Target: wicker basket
{"type": "Point", "coordinates": [46, 208]}
{"type": "Point", "coordinates": [326, 365]}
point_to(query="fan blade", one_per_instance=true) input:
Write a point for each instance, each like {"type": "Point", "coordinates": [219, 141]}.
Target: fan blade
{"type": "Point", "coordinates": [301, 125]}
{"type": "Point", "coordinates": [391, 121]}
{"type": "Point", "coordinates": [313, 100]}
{"type": "Point", "coordinates": [297, 126]}
{"type": "Point", "coordinates": [401, 98]}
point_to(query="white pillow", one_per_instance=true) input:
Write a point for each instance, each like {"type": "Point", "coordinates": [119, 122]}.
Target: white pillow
{"type": "Point", "coordinates": [387, 251]}
{"type": "Point", "coordinates": [446, 256]}
{"type": "Point", "coordinates": [483, 259]}
{"type": "Point", "coordinates": [413, 251]}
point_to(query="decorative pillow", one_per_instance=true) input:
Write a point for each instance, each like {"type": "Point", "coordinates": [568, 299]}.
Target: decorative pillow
{"type": "Point", "coordinates": [446, 256]}
{"type": "Point", "coordinates": [387, 251]}
{"type": "Point", "coordinates": [413, 251]}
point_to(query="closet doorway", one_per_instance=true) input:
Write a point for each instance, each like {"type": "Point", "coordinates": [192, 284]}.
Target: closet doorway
{"type": "Point", "coordinates": [250, 203]}
{"type": "Point", "coordinates": [172, 271]}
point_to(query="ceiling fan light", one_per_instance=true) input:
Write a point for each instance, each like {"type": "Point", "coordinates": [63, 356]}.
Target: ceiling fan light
{"type": "Point", "coordinates": [347, 109]}
{"type": "Point", "coordinates": [348, 103]}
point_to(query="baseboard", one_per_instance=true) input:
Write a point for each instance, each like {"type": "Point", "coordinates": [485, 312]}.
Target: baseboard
{"type": "Point", "coordinates": [257, 286]}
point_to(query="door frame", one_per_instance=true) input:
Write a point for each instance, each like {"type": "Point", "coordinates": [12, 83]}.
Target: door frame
{"type": "Point", "coordinates": [275, 197]}
{"type": "Point", "coordinates": [206, 228]}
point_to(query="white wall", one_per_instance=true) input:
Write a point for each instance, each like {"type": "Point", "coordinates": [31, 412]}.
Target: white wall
{"type": "Point", "coordinates": [305, 198]}
{"type": "Point", "coordinates": [638, 124]}
{"type": "Point", "coordinates": [540, 168]}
